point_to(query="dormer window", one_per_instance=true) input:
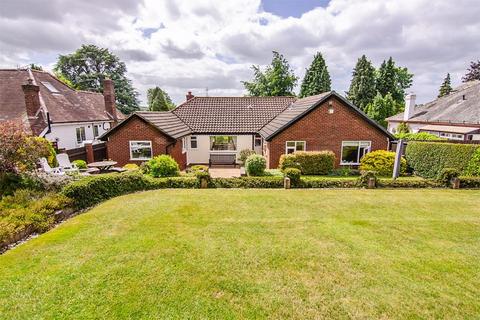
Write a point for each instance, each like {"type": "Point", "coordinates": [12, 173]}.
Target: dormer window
{"type": "Point", "coordinates": [50, 87]}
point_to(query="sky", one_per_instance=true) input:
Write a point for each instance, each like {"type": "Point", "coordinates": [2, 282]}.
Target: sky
{"type": "Point", "coordinates": [191, 45]}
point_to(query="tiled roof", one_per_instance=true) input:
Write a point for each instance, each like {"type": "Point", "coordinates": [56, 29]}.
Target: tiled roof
{"type": "Point", "coordinates": [65, 105]}
{"type": "Point", "coordinates": [298, 108]}
{"type": "Point", "coordinates": [167, 122]}
{"type": "Point", "coordinates": [230, 114]}
{"type": "Point", "coordinates": [452, 129]}
{"type": "Point", "coordinates": [461, 106]}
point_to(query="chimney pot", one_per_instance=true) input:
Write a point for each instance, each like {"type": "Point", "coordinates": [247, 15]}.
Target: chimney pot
{"type": "Point", "coordinates": [32, 98]}
{"type": "Point", "coordinates": [189, 95]}
{"type": "Point", "coordinates": [109, 98]}
{"type": "Point", "coordinates": [409, 106]}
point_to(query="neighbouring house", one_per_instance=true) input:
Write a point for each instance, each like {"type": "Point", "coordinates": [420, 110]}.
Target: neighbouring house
{"type": "Point", "coordinates": [49, 108]}
{"type": "Point", "coordinates": [210, 130]}
{"type": "Point", "coordinates": [455, 116]}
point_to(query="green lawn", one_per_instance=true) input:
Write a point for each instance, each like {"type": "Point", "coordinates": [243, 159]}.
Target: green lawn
{"type": "Point", "coordinates": [220, 254]}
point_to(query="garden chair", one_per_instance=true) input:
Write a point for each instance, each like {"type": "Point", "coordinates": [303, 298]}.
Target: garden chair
{"type": "Point", "coordinates": [65, 164]}
{"type": "Point", "coordinates": [46, 167]}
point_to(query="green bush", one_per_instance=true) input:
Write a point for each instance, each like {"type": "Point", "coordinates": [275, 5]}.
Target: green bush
{"type": "Point", "coordinates": [248, 182]}
{"type": "Point", "coordinates": [244, 154]}
{"type": "Point", "coordinates": [418, 136]}
{"type": "Point", "coordinates": [163, 166]}
{"type": "Point", "coordinates": [365, 176]}
{"type": "Point", "coordinates": [131, 167]}
{"type": "Point", "coordinates": [81, 164]}
{"type": "Point", "coordinates": [326, 182]}
{"type": "Point", "coordinates": [382, 162]}
{"type": "Point", "coordinates": [309, 162]}
{"type": "Point", "coordinates": [198, 168]}
{"type": "Point", "coordinates": [473, 167]}
{"type": "Point", "coordinates": [288, 161]}
{"type": "Point", "coordinates": [427, 159]}
{"type": "Point", "coordinates": [446, 175]}
{"type": "Point", "coordinates": [411, 182]}
{"type": "Point", "coordinates": [294, 175]}
{"type": "Point", "coordinates": [255, 165]}
{"type": "Point", "coordinates": [470, 182]}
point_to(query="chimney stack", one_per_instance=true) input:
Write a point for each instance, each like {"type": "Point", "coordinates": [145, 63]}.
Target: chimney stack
{"type": "Point", "coordinates": [32, 98]}
{"type": "Point", "coordinates": [190, 95]}
{"type": "Point", "coordinates": [109, 98]}
{"type": "Point", "coordinates": [409, 106]}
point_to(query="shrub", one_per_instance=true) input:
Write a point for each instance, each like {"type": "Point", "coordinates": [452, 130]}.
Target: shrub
{"type": "Point", "coordinates": [255, 165]}
{"type": "Point", "coordinates": [473, 167]}
{"type": "Point", "coordinates": [131, 167]}
{"type": "Point", "coordinates": [309, 162]}
{"type": "Point", "coordinates": [382, 162]}
{"type": "Point", "coordinates": [446, 175]}
{"type": "Point", "coordinates": [163, 166]}
{"type": "Point", "coordinates": [427, 159]}
{"type": "Point", "coordinates": [418, 136]}
{"type": "Point", "coordinates": [470, 182]}
{"type": "Point", "coordinates": [198, 168]}
{"type": "Point", "coordinates": [345, 171]}
{"type": "Point", "coordinates": [248, 182]}
{"type": "Point", "coordinates": [244, 154]}
{"type": "Point", "coordinates": [326, 182]}
{"type": "Point", "coordinates": [288, 161]}
{"type": "Point", "coordinates": [145, 168]}
{"type": "Point", "coordinates": [294, 175]}
{"type": "Point", "coordinates": [44, 181]}
{"type": "Point", "coordinates": [411, 182]}
{"type": "Point", "coordinates": [80, 164]}
{"type": "Point", "coordinates": [365, 176]}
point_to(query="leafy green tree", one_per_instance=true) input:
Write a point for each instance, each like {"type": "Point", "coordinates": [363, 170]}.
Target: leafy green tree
{"type": "Point", "coordinates": [317, 79]}
{"type": "Point", "coordinates": [473, 72]}
{"type": "Point", "coordinates": [278, 79]}
{"type": "Point", "coordinates": [86, 69]}
{"type": "Point", "coordinates": [394, 80]}
{"type": "Point", "coordinates": [381, 108]}
{"type": "Point", "coordinates": [362, 87]}
{"type": "Point", "coordinates": [159, 100]}
{"type": "Point", "coordinates": [403, 128]}
{"type": "Point", "coordinates": [34, 66]}
{"type": "Point", "coordinates": [446, 86]}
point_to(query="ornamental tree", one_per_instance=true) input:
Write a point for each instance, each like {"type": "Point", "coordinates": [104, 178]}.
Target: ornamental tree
{"type": "Point", "coordinates": [446, 87]}
{"type": "Point", "coordinates": [362, 87]}
{"type": "Point", "coordinates": [317, 79]}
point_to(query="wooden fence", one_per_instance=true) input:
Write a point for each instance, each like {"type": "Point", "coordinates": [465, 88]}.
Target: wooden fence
{"type": "Point", "coordinates": [99, 152]}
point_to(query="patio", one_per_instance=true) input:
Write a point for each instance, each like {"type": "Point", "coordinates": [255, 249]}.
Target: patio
{"type": "Point", "coordinates": [224, 172]}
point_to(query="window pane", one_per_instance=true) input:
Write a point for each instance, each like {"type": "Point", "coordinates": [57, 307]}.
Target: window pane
{"type": "Point", "coordinates": [290, 150]}
{"type": "Point", "coordinates": [223, 143]}
{"type": "Point", "coordinates": [300, 146]}
{"type": "Point", "coordinates": [95, 131]}
{"type": "Point", "coordinates": [291, 144]}
{"type": "Point", "coordinates": [141, 150]}
{"type": "Point", "coordinates": [350, 154]}
{"type": "Point", "coordinates": [193, 142]}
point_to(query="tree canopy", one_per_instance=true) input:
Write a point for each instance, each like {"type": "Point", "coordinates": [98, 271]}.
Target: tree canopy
{"type": "Point", "coordinates": [381, 108]}
{"type": "Point", "coordinates": [317, 78]}
{"type": "Point", "coordinates": [159, 100]}
{"type": "Point", "coordinates": [362, 88]}
{"type": "Point", "coordinates": [473, 72]}
{"type": "Point", "coordinates": [278, 79]}
{"type": "Point", "coordinates": [446, 86]}
{"type": "Point", "coordinates": [394, 80]}
{"type": "Point", "coordinates": [86, 68]}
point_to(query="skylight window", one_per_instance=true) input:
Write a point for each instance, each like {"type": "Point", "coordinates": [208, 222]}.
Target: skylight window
{"type": "Point", "coordinates": [50, 87]}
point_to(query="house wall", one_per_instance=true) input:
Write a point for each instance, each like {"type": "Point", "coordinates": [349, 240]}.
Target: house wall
{"type": "Point", "coordinates": [324, 131]}
{"type": "Point", "coordinates": [202, 153]}
{"type": "Point", "coordinates": [66, 135]}
{"type": "Point", "coordinates": [118, 143]}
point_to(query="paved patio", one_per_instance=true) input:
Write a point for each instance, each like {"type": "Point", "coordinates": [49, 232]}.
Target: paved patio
{"type": "Point", "coordinates": [219, 172]}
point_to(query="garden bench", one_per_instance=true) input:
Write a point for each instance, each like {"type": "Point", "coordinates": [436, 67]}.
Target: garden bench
{"type": "Point", "coordinates": [223, 159]}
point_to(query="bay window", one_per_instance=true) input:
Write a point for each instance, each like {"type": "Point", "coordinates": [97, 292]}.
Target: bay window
{"type": "Point", "coordinates": [353, 151]}
{"type": "Point", "coordinates": [223, 143]}
{"type": "Point", "coordinates": [292, 146]}
{"type": "Point", "coordinates": [140, 150]}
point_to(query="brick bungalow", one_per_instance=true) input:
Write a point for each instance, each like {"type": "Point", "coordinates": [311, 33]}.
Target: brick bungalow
{"type": "Point", "coordinates": [211, 130]}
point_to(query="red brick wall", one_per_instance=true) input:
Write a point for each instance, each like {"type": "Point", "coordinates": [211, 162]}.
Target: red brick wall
{"type": "Point", "coordinates": [324, 131]}
{"type": "Point", "coordinates": [175, 151]}
{"type": "Point", "coordinates": [118, 146]}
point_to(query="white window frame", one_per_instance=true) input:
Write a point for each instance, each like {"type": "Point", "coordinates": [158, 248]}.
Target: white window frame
{"type": "Point", "coordinates": [196, 140]}
{"type": "Point", "coordinates": [295, 147]}
{"type": "Point", "coordinates": [369, 149]}
{"type": "Point", "coordinates": [97, 126]}
{"type": "Point", "coordinates": [257, 138]}
{"type": "Point", "coordinates": [140, 141]}
{"type": "Point", "coordinates": [235, 138]}
{"type": "Point", "coordinates": [79, 142]}
{"type": "Point", "coordinates": [184, 144]}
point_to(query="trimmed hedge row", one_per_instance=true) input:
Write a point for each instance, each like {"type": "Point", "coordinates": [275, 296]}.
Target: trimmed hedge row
{"type": "Point", "coordinates": [322, 182]}
{"type": "Point", "coordinates": [428, 159]}
{"type": "Point", "coordinates": [408, 183]}
{"type": "Point", "coordinates": [309, 162]}
{"type": "Point", "coordinates": [247, 182]}
{"type": "Point", "coordinates": [470, 182]}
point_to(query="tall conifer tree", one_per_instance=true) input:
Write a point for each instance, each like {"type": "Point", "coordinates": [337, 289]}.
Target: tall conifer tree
{"type": "Point", "coordinates": [446, 86]}
{"type": "Point", "coordinates": [362, 87]}
{"type": "Point", "coordinates": [317, 78]}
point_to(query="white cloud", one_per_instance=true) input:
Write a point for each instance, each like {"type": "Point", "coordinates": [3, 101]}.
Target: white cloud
{"type": "Point", "coordinates": [206, 43]}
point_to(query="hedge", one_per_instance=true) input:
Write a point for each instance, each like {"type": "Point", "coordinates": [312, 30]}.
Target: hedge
{"type": "Point", "coordinates": [427, 159]}
{"type": "Point", "coordinates": [309, 162]}
{"type": "Point", "coordinates": [92, 190]}
{"type": "Point", "coordinates": [470, 182]}
{"type": "Point", "coordinates": [327, 182]}
{"type": "Point", "coordinates": [247, 182]}
{"type": "Point", "coordinates": [408, 183]}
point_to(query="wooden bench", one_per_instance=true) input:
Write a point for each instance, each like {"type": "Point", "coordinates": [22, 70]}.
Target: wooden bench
{"type": "Point", "coordinates": [222, 159]}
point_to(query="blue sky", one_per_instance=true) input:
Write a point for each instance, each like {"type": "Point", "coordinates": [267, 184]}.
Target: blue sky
{"type": "Point", "coordinates": [292, 8]}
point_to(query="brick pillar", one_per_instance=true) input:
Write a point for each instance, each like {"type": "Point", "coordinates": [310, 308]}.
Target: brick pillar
{"type": "Point", "coordinates": [89, 150]}
{"type": "Point", "coordinates": [32, 98]}
{"type": "Point", "coordinates": [109, 98]}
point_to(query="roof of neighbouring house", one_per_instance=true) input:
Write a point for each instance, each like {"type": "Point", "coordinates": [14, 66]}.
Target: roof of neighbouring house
{"type": "Point", "coordinates": [230, 114]}
{"type": "Point", "coordinates": [301, 107]}
{"type": "Point", "coordinates": [451, 129]}
{"type": "Point", "coordinates": [462, 105]}
{"type": "Point", "coordinates": [62, 103]}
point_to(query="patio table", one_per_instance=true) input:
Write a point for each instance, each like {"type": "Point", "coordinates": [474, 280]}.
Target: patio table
{"type": "Point", "coordinates": [103, 166]}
